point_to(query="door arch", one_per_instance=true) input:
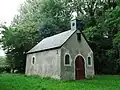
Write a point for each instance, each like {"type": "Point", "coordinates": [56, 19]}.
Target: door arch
{"type": "Point", "coordinates": [79, 68]}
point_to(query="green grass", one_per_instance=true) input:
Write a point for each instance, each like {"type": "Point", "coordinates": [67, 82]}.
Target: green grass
{"type": "Point", "coordinates": [22, 82]}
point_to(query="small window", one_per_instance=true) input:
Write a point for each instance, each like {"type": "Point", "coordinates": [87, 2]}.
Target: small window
{"type": "Point", "coordinates": [89, 61]}
{"type": "Point", "coordinates": [73, 24]}
{"type": "Point", "coordinates": [79, 36]}
{"type": "Point", "coordinates": [33, 60]}
{"type": "Point", "coordinates": [67, 59]}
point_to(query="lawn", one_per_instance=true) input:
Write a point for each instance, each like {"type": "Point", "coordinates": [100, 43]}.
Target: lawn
{"type": "Point", "coordinates": [23, 82]}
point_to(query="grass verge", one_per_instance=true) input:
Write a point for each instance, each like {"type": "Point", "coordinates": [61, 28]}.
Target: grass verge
{"type": "Point", "coordinates": [23, 82]}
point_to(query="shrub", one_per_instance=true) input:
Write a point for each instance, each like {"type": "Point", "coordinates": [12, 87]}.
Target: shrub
{"type": "Point", "coordinates": [5, 69]}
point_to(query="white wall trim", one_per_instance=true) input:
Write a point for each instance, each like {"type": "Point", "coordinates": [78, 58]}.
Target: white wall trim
{"type": "Point", "coordinates": [32, 60]}
{"type": "Point", "coordinates": [90, 61]}
{"type": "Point", "coordinates": [89, 55]}
{"type": "Point", "coordinates": [84, 64]}
{"type": "Point", "coordinates": [69, 58]}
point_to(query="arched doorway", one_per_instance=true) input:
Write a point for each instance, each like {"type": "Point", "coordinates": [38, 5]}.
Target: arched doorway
{"type": "Point", "coordinates": [79, 68]}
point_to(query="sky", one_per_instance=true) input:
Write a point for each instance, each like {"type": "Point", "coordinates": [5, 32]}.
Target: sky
{"type": "Point", "coordinates": [8, 8]}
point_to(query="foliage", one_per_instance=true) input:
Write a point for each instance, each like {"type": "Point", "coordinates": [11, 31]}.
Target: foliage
{"type": "Point", "coordinates": [3, 61]}
{"type": "Point", "coordinates": [4, 65]}
{"type": "Point", "coordinates": [32, 25]}
{"type": "Point", "coordinates": [104, 40]}
{"type": "Point", "coordinates": [21, 82]}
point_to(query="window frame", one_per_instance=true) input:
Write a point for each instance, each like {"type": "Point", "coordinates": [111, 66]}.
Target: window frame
{"type": "Point", "coordinates": [69, 59]}
{"type": "Point", "coordinates": [32, 60]}
{"type": "Point", "coordinates": [90, 65]}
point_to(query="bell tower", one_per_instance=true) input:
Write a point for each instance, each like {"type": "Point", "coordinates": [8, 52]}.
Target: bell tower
{"type": "Point", "coordinates": [76, 24]}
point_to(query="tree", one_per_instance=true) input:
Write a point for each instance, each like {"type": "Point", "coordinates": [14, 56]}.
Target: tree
{"type": "Point", "coordinates": [4, 65]}
{"type": "Point", "coordinates": [37, 19]}
{"type": "Point", "coordinates": [103, 37]}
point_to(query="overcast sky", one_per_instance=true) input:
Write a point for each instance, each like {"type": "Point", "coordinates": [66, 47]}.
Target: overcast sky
{"type": "Point", "coordinates": [8, 8]}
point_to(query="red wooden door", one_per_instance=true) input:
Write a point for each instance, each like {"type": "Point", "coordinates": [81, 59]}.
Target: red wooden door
{"type": "Point", "coordinates": [79, 68]}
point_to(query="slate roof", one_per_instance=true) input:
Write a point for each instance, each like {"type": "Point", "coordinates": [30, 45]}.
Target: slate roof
{"type": "Point", "coordinates": [52, 42]}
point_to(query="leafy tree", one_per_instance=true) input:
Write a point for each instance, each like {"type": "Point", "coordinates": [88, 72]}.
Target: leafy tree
{"type": "Point", "coordinates": [103, 38]}
{"type": "Point", "coordinates": [38, 19]}
{"type": "Point", "coordinates": [4, 65]}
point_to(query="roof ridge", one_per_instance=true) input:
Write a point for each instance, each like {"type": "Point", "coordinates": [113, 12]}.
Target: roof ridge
{"type": "Point", "coordinates": [55, 34]}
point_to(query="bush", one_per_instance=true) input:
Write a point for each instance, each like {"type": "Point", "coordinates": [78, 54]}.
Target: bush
{"type": "Point", "coordinates": [5, 69]}
{"type": "Point", "coordinates": [4, 65]}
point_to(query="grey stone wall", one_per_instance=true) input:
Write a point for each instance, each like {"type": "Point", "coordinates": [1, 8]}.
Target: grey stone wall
{"type": "Point", "coordinates": [74, 48]}
{"type": "Point", "coordinates": [47, 64]}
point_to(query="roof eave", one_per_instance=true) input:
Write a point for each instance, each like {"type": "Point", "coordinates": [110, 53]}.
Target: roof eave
{"type": "Point", "coordinates": [86, 40]}
{"type": "Point", "coordinates": [44, 50]}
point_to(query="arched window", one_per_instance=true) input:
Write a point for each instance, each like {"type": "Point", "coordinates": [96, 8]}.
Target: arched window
{"type": "Point", "coordinates": [89, 61]}
{"type": "Point", "coordinates": [67, 59]}
{"type": "Point", "coordinates": [33, 60]}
